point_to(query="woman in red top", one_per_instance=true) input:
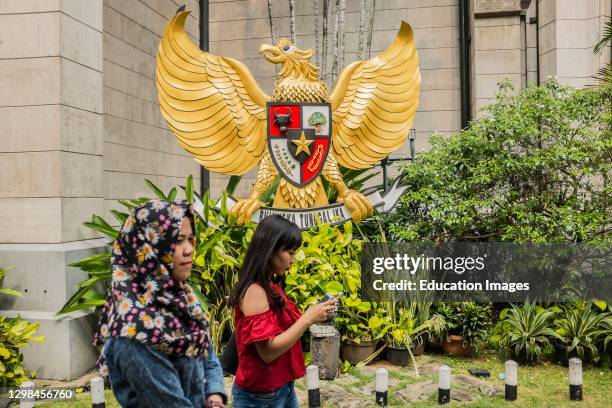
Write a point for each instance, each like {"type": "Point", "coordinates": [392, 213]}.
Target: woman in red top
{"type": "Point", "coordinates": [268, 325]}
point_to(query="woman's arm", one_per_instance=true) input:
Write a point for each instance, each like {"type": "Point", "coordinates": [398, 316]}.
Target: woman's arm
{"type": "Point", "coordinates": [255, 302]}
{"type": "Point", "coordinates": [214, 387]}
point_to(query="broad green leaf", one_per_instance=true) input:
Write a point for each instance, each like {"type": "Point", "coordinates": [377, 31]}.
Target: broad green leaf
{"type": "Point", "coordinates": [232, 184]}
{"type": "Point", "coordinates": [158, 193]}
{"type": "Point", "coordinates": [189, 189]}
{"type": "Point", "coordinates": [172, 194]}
{"type": "Point", "coordinates": [11, 292]}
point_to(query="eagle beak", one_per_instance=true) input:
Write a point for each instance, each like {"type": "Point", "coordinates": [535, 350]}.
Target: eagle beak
{"type": "Point", "coordinates": [275, 58]}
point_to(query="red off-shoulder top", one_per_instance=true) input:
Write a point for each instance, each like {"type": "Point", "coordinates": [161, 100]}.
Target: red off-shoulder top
{"type": "Point", "coordinates": [253, 373]}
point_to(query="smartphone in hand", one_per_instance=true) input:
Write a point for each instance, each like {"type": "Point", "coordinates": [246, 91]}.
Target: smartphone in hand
{"type": "Point", "coordinates": [329, 296]}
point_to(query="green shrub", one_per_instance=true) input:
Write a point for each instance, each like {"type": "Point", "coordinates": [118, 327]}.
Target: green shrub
{"type": "Point", "coordinates": [470, 320]}
{"type": "Point", "coordinates": [525, 331]}
{"type": "Point", "coordinates": [584, 330]}
{"type": "Point", "coordinates": [14, 334]}
{"type": "Point", "coordinates": [535, 168]}
{"type": "Point", "coordinates": [328, 262]}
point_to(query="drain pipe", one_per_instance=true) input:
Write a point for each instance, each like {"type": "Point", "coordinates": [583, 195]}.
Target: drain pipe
{"type": "Point", "coordinates": [204, 173]}
{"type": "Point", "coordinates": [464, 61]}
{"type": "Point", "coordinates": [537, 16]}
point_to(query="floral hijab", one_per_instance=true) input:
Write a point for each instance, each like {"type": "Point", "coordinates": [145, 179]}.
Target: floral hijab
{"type": "Point", "coordinates": [145, 302]}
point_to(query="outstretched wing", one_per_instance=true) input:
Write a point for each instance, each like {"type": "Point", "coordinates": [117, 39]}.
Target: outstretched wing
{"type": "Point", "coordinates": [374, 103]}
{"type": "Point", "coordinates": [212, 104]}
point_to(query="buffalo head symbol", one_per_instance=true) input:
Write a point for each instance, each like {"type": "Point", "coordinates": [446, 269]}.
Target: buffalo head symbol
{"type": "Point", "coordinates": [282, 120]}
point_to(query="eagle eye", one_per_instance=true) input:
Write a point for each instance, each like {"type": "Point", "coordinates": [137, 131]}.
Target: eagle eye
{"type": "Point", "coordinates": [288, 48]}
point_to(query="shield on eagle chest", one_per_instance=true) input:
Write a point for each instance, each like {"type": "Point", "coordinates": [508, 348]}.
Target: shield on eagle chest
{"type": "Point", "coordinates": [299, 139]}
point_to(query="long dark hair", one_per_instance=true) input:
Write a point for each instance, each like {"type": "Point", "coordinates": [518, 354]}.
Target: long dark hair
{"type": "Point", "coordinates": [274, 233]}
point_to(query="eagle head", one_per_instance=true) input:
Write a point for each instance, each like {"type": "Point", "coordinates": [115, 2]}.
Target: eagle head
{"type": "Point", "coordinates": [295, 62]}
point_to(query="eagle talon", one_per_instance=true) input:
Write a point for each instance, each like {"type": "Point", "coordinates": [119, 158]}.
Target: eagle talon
{"type": "Point", "coordinates": [244, 210]}
{"type": "Point", "coordinates": [357, 203]}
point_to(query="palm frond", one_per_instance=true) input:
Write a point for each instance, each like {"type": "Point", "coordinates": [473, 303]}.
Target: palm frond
{"type": "Point", "coordinates": [606, 38]}
{"type": "Point", "coordinates": [604, 75]}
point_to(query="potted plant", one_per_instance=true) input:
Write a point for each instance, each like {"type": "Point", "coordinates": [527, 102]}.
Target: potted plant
{"type": "Point", "coordinates": [358, 338]}
{"type": "Point", "coordinates": [580, 328]}
{"type": "Point", "coordinates": [405, 326]}
{"type": "Point", "coordinates": [525, 331]}
{"type": "Point", "coordinates": [466, 326]}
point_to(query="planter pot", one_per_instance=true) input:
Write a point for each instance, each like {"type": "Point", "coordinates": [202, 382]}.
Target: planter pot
{"type": "Point", "coordinates": [562, 355]}
{"type": "Point", "coordinates": [418, 348]}
{"type": "Point", "coordinates": [521, 357]}
{"type": "Point", "coordinates": [455, 346]}
{"type": "Point", "coordinates": [355, 352]}
{"type": "Point", "coordinates": [398, 356]}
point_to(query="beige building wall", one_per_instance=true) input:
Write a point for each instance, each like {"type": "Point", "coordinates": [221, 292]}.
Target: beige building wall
{"type": "Point", "coordinates": [531, 44]}
{"type": "Point", "coordinates": [137, 141]}
{"type": "Point", "coordinates": [51, 119]}
{"type": "Point", "coordinates": [51, 161]}
{"type": "Point", "coordinates": [80, 127]}
{"type": "Point", "coordinates": [497, 49]}
{"type": "Point", "coordinates": [568, 31]}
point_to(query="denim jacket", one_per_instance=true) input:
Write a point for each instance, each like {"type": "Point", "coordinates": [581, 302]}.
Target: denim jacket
{"type": "Point", "coordinates": [143, 377]}
{"type": "Point", "coordinates": [213, 375]}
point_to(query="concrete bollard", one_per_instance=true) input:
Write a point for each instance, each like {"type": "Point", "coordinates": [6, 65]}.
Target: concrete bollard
{"type": "Point", "coordinates": [97, 393]}
{"type": "Point", "coordinates": [27, 402]}
{"type": "Point", "coordinates": [312, 380]}
{"type": "Point", "coordinates": [325, 350]}
{"type": "Point", "coordinates": [575, 379]}
{"type": "Point", "coordinates": [382, 387]}
{"type": "Point", "coordinates": [511, 371]}
{"type": "Point", "coordinates": [444, 384]}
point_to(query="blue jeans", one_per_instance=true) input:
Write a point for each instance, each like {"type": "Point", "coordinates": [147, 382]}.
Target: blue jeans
{"type": "Point", "coordinates": [284, 397]}
{"type": "Point", "coordinates": [143, 377]}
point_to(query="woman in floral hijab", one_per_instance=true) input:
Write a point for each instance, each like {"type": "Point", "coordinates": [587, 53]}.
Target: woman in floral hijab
{"type": "Point", "coordinates": [156, 348]}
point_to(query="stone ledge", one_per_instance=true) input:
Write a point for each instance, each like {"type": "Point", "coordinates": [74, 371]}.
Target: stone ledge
{"type": "Point", "coordinates": [42, 274]}
{"type": "Point", "coordinates": [66, 246]}
{"type": "Point", "coordinates": [67, 352]}
{"type": "Point", "coordinates": [496, 8]}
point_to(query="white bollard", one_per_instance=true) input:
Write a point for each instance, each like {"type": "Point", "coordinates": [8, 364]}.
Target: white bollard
{"type": "Point", "coordinates": [27, 402]}
{"type": "Point", "coordinates": [312, 380]}
{"type": "Point", "coordinates": [511, 371]}
{"type": "Point", "coordinates": [382, 387]}
{"type": "Point", "coordinates": [444, 384]}
{"type": "Point", "coordinates": [97, 393]}
{"type": "Point", "coordinates": [575, 379]}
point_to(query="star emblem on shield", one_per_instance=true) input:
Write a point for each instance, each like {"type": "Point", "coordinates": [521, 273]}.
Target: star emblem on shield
{"type": "Point", "coordinates": [299, 138]}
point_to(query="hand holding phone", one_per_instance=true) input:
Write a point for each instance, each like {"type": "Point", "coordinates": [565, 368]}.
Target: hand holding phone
{"type": "Point", "coordinates": [327, 297]}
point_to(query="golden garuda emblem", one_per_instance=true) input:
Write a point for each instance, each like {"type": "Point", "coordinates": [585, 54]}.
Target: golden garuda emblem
{"type": "Point", "coordinates": [223, 118]}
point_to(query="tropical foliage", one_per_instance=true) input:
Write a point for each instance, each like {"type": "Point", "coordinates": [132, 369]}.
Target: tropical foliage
{"type": "Point", "coordinates": [15, 333]}
{"type": "Point", "coordinates": [526, 331]}
{"type": "Point", "coordinates": [604, 75]}
{"type": "Point", "coordinates": [470, 320]}
{"type": "Point", "coordinates": [581, 328]}
{"type": "Point", "coordinates": [4, 291]}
